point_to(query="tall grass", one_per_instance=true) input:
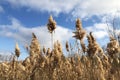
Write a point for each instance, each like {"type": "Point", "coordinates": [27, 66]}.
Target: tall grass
{"type": "Point", "coordinates": [51, 64]}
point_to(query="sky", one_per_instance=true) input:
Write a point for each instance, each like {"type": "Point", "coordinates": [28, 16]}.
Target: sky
{"type": "Point", "coordinates": [19, 18]}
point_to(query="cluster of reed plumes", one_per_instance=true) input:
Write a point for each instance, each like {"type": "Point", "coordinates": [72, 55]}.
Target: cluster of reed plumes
{"type": "Point", "coordinates": [89, 63]}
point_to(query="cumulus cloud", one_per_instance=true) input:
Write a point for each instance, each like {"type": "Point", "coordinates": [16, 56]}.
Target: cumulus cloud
{"type": "Point", "coordinates": [23, 34]}
{"type": "Point", "coordinates": [77, 8]}
{"type": "Point", "coordinates": [99, 30]}
{"type": "Point", "coordinates": [89, 8]}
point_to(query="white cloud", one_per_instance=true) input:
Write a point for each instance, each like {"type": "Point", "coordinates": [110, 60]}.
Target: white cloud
{"type": "Point", "coordinates": [23, 34]}
{"type": "Point", "coordinates": [89, 8]}
{"type": "Point", "coordinates": [77, 8]}
{"type": "Point", "coordinates": [99, 30]}
{"type": "Point", "coordinates": [55, 6]}
{"type": "Point", "coordinates": [1, 9]}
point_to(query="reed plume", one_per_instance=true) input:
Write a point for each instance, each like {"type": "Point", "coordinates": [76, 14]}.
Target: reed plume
{"type": "Point", "coordinates": [51, 27]}
{"type": "Point", "coordinates": [17, 50]}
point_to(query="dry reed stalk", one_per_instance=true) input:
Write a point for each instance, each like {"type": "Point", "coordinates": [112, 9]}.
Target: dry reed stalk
{"type": "Point", "coordinates": [53, 65]}
{"type": "Point", "coordinates": [34, 46]}
{"type": "Point", "coordinates": [112, 47]}
{"type": "Point", "coordinates": [80, 34]}
{"type": "Point", "coordinates": [17, 50]}
{"type": "Point", "coordinates": [78, 24]}
{"type": "Point", "coordinates": [67, 46]}
{"type": "Point", "coordinates": [17, 53]}
{"type": "Point", "coordinates": [93, 46]}
{"type": "Point", "coordinates": [48, 52]}
{"type": "Point", "coordinates": [51, 27]}
{"type": "Point", "coordinates": [44, 50]}
{"type": "Point", "coordinates": [83, 46]}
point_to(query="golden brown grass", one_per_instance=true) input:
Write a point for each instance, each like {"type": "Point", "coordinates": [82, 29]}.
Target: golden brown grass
{"type": "Point", "coordinates": [51, 64]}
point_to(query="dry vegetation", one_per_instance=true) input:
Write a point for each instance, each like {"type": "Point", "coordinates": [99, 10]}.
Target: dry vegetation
{"type": "Point", "coordinates": [89, 63]}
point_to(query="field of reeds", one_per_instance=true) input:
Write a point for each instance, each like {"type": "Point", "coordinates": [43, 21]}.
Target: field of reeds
{"type": "Point", "coordinates": [90, 62]}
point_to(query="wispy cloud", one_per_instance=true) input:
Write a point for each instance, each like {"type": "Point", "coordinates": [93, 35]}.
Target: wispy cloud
{"type": "Point", "coordinates": [77, 8]}
{"type": "Point", "coordinates": [89, 8]}
{"type": "Point", "coordinates": [55, 6]}
{"type": "Point", "coordinates": [1, 9]}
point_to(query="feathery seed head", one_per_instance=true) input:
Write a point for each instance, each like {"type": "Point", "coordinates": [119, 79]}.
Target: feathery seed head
{"type": "Point", "coordinates": [51, 24]}
{"type": "Point", "coordinates": [78, 24]}
{"type": "Point", "coordinates": [44, 50]}
{"type": "Point", "coordinates": [17, 50]}
{"type": "Point", "coordinates": [67, 46]}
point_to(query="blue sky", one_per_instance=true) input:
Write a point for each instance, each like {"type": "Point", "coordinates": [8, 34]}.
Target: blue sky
{"type": "Point", "coordinates": [19, 18]}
